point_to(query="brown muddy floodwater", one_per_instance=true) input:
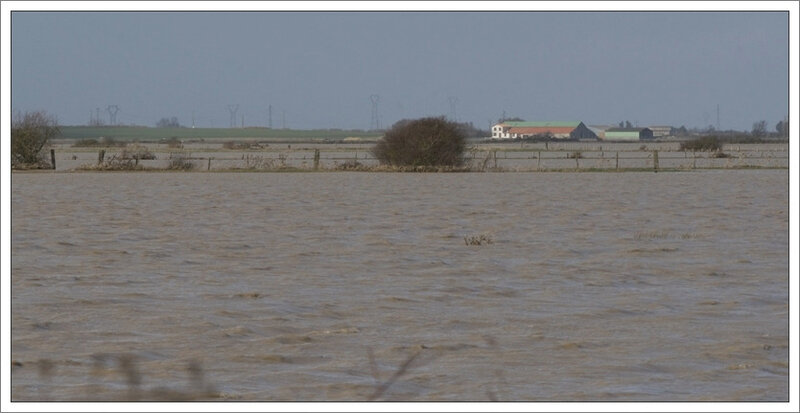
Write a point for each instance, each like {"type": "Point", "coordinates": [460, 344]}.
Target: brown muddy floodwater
{"type": "Point", "coordinates": [320, 286]}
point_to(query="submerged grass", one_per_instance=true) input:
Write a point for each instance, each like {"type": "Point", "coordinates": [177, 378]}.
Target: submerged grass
{"type": "Point", "coordinates": [479, 239]}
{"type": "Point", "coordinates": [648, 235]}
{"type": "Point", "coordinates": [109, 371]}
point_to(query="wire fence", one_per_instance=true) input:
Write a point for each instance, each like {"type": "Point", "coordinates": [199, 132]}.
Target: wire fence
{"type": "Point", "coordinates": [487, 158]}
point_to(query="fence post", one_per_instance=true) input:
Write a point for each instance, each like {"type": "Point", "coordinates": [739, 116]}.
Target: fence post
{"type": "Point", "coordinates": [655, 161]}
{"type": "Point", "coordinates": [617, 160]}
{"type": "Point", "coordinates": [316, 159]}
{"type": "Point", "coordinates": [494, 155]}
{"type": "Point", "coordinates": [577, 165]}
{"type": "Point", "coordinates": [100, 156]}
{"type": "Point", "coordinates": [539, 160]}
{"type": "Point", "coordinates": [209, 164]}
{"type": "Point", "coordinates": [53, 158]}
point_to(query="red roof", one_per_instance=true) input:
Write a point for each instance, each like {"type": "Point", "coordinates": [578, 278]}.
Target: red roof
{"type": "Point", "coordinates": [540, 129]}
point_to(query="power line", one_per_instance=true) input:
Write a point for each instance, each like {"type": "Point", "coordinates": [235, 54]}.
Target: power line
{"type": "Point", "coordinates": [232, 109]}
{"type": "Point", "coordinates": [375, 122]}
{"type": "Point", "coordinates": [112, 114]}
{"type": "Point", "coordinates": [453, 101]}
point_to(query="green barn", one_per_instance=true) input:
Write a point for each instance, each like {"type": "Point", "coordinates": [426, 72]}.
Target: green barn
{"type": "Point", "coordinates": [628, 134]}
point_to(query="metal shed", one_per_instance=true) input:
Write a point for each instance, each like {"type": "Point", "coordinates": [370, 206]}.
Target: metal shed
{"type": "Point", "coordinates": [628, 134]}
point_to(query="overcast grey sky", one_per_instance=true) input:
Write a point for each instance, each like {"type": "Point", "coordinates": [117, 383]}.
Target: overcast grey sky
{"type": "Point", "coordinates": [320, 68]}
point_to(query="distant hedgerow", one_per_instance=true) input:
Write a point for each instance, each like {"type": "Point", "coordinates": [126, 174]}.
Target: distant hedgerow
{"type": "Point", "coordinates": [705, 143]}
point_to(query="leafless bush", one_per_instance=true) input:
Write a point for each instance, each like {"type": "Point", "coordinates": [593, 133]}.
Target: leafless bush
{"type": "Point", "coordinates": [351, 165]}
{"type": "Point", "coordinates": [705, 143]}
{"type": "Point", "coordinates": [118, 163]}
{"type": "Point", "coordinates": [31, 132]}
{"type": "Point", "coordinates": [180, 161]}
{"type": "Point", "coordinates": [258, 162]}
{"type": "Point", "coordinates": [137, 152]}
{"type": "Point", "coordinates": [114, 163]}
{"type": "Point", "coordinates": [282, 160]}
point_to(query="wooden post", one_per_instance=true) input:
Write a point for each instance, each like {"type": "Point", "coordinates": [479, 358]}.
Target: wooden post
{"type": "Point", "coordinates": [53, 157]}
{"type": "Point", "coordinates": [577, 165]}
{"type": "Point", "coordinates": [316, 159]}
{"type": "Point", "coordinates": [655, 161]}
{"type": "Point", "coordinates": [617, 160]}
{"type": "Point", "coordinates": [494, 155]}
{"type": "Point", "coordinates": [539, 160]}
{"type": "Point", "coordinates": [100, 156]}
{"type": "Point", "coordinates": [694, 159]}
{"type": "Point", "coordinates": [209, 164]}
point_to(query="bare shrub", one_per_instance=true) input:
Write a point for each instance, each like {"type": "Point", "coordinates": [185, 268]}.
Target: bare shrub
{"type": "Point", "coordinates": [258, 162]}
{"type": "Point", "coordinates": [137, 152]}
{"type": "Point", "coordinates": [115, 163]}
{"type": "Point", "coordinates": [705, 143]}
{"type": "Point", "coordinates": [179, 161]}
{"type": "Point", "coordinates": [351, 165]}
{"type": "Point", "coordinates": [422, 142]}
{"type": "Point", "coordinates": [30, 134]}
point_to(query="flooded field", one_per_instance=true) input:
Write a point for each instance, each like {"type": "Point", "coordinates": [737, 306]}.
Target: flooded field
{"type": "Point", "coordinates": [500, 156]}
{"type": "Point", "coordinates": [356, 286]}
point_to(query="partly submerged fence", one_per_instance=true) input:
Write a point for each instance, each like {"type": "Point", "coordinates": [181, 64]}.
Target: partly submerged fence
{"type": "Point", "coordinates": [489, 158]}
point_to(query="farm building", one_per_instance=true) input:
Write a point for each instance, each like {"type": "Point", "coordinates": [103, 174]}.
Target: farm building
{"type": "Point", "coordinates": [559, 130]}
{"type": "Point", "coordinates": [660, 131]}
{"type": "Point", "coordinates": [600, 130]}
{"type": "Point", "coordinates": [628, 134]}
